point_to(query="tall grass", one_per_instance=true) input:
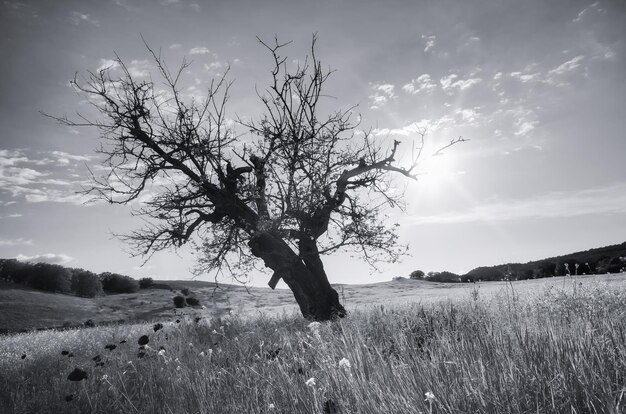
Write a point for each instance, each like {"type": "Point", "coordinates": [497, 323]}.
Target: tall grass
{"type": "Point", "coordinates": [561, 351]}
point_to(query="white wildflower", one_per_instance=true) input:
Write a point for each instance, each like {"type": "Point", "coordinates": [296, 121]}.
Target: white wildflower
{"type": "Point", "coordinates": [161, 352]}
{"type": "Point", "coordinates": [430, 397]}
{"type": "Point", "coordinates": [272, 406]}
{"type": "Point", "coordinates": [314, 326]}
{"type": "Point", "coordinates": [344, 363]}
{"type": "Point", "coordinates": [310, 382]}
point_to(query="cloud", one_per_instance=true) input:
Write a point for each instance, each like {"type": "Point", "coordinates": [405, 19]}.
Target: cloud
{"type": "Point", "coordinates": [213, 66]}
{"type": "Point", "coordinates": [46, 258]}
{"type": "Point", "coordinates": [383, 92]}
{"type": "Point", "coordinates": [525, 77]}
{"type": "Point", "coordinates": [79, 18]}
{"type": "Point", "coordinates": [450, 82]}
{"type": "Point", "coordinates": [14, 215]}
{"type": "Point", "coordinates": [594, 201]}
{"type": "Point", "coordinates": [199, 50]}
{"type": "Point", "coordinates": [422, 83]}
{"type": "Point", "coordinates": [175, 46]}
{"type": "Point", "coordinates": [568, 66]}
{"type": "Point", "coordinates": [586, 11]}
{"type": "Point", "coordinates": [48, 179]}
{"type": "Point", "coordinates": [109, 64]}
{"type": "Point", "coordinates": [139, 68]}
{"type": "Point", "coordinates": [429, 42]}
{"type": "Point", "coordinates": [16, 242]}
{"type": "Point", "coordinates": [427, 125]}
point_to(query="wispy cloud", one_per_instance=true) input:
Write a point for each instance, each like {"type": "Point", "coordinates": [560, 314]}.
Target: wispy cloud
{"type": "Point", "coordinates": [51, 258]}
{"type": "Point", "coordinates": [79, 18]}
{"type": "Point", "coordinates": [601, 200]}
{"type": "Point", "coordinates": [429, 42]}
{"type": "Point", "coordinates": [49, 177]}
{"type": "Point", "coordinates": [452, 81]}
{"type": "Point", "coordinates": [382, 93]}
{"type": "Point", "coordinates": [199, 50]}
{"type": "Point", "coordinates": [568, 66]}
{"type": "Point", "coordinates": [16, 242]}
{"type": "Point", "coordinates": [422, 83]}
{"type": "Point", "coordinates": [587, 10]}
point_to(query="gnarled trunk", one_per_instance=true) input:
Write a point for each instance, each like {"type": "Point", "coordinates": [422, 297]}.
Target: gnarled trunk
{"type": "Point", "coordinates": [318, 301]}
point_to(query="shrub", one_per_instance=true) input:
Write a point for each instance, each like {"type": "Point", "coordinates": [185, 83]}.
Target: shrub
{"type": "Point", "coordinates": [443, 277]}
{"type": "Point", "coordinates": [146, 282]}
{"type": "Point", "coordinates": [114, 283]}
{"type": "Point", "coordinates": [179, 301]}
{"type": "Point", "coordinates": [416, 274]}
{"type": "Point", "coordinates": [193, 302]}
{"type": "Point", "coordinates": [185, 291]}
{"type": "Point", "coordinates": [485, 273]}
{"type": "Point", "coordinates": [86, 283]}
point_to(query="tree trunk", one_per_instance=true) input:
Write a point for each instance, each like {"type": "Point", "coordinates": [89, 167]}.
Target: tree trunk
{"type": "Point", "coordinates": [318, 301]}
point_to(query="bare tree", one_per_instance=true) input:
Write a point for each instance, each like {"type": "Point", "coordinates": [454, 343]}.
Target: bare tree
{"type": "Point", "coordinates": [297, 185]}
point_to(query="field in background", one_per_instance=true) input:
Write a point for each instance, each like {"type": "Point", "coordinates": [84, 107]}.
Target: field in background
{"type": "Point", "coordinates": [556, 345]}
{"type": "Point", "coordinates": [22, 309]}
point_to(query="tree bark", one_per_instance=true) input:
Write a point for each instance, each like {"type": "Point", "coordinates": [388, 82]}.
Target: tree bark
{"type": "Point", "coordinates": [318, 301]}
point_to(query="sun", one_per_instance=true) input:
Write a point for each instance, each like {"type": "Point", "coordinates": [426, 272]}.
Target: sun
{"type": "Point", "coordinates": [436, 172]}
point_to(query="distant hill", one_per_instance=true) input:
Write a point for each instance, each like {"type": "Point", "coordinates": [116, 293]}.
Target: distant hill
{"type": "Point", "coordinates": [608, 259]}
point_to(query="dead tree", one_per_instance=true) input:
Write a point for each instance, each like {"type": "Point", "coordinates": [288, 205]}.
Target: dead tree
{"type": "Point", "coordinates": [303, 185]}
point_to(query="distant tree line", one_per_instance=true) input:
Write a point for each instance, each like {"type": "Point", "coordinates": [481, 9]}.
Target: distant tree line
{"type": "Point", "coordinates": [60, 279]}
{"type": "Point", "coordinates": [609, 259]}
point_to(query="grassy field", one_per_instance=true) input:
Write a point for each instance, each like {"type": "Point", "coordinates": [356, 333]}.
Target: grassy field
{"type": "Point", "coordinates": [541, 346]}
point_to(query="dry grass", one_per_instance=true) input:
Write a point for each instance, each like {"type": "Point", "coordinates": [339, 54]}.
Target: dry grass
{"type": "Point", "coordinates": [559, 349]}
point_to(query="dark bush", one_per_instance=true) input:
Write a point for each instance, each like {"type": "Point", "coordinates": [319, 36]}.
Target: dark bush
{"type": "Point", "coordinates": [86, 283]}
{"type": "Point", "coordinates": [179, 301]}
{"type": "Point", "coordinates": [416, 274]}
{"type": "Point", "coordinates": [484, 273]}
{"type": "Point", "coordinates": [443, 277]}
{"type": "Point", "coordinates": [51, 277]}
{"type": "Point", "coordinates": [115, 283]}
{"type": "Point", "coordinates": [146, 282]}
{"type": "Point", "coordinates": [16, 271]}
{"type": "Point", "coordinates": [185, 291]}
{"type": "Point", "coordinates": [193, 302]}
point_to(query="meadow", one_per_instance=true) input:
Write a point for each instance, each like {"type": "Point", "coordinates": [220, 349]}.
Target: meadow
{"type": "Point", "coordinates": [544, 346]}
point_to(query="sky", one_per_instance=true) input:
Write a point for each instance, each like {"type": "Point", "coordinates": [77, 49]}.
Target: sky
{"type": "Point", "coordinates": [538, 88]}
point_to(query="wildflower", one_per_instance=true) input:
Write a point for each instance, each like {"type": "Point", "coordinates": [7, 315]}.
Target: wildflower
{"type": "Point", "coordinates": [24, 356]}
{"type": "Point", "coordinates": [310, 382]}
{"type": "Point", "coordinates": [430, 397]}
{"type": "Point", "coordinates": [105, 377]}
{"type": "Point", "coordinates": [344, 363]}
{"type": "Point", "coordinates": [161, 352]}
{"type": "Point", "coordinates": [202, 354]}
{"type": "Point", "coordinates": [314, 326]}
{"type": "Point", "coordinates": [214, 332]}
{"type": "Point", "coordinates": [143, 340]}
{"type": "Point", "coordinates": [190, 345]}
{"type": "Point", "coordinates": [157, 326]}
{"type": "Point", "coordinates": [77, 375]}
{"type": "Point", "coordinates": [271, 406]}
